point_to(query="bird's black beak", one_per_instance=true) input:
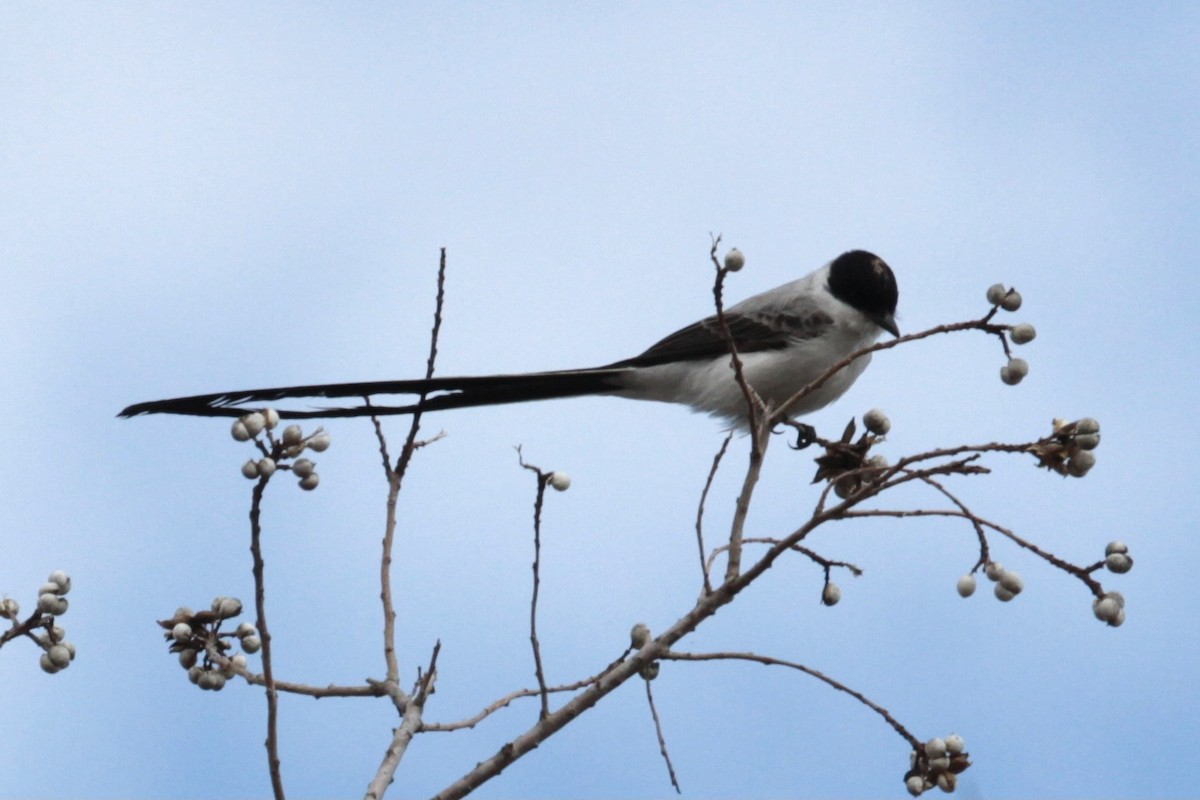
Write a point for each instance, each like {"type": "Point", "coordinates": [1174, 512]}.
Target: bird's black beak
{"type": "Point", "coordinates": [887, 322]}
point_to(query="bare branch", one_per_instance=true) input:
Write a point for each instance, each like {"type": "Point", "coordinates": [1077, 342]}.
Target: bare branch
{"type": "Point", "coordinates": [409, 726]}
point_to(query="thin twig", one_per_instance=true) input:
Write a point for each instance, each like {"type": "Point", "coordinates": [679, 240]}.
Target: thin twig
{"type": "Point", "coordinates": [662, 742]}
{"type": "Point", "coordinates": [979, 324]}
{"type": "Point", "coordinates": [506, 700]}
{"type": "Point", "coordinates": [675, 655]}
{"type": "Point", "coordinates": [542, 480]}
{"type": "Point", "coordinates": [753, 403]}
{"type": "Point", "coordinates": [712, 474]}
{"type": "Point", "coordinates": [817, 558]}
{"type": "Point", "coordinates": [376, 689]}
{"type": "Point", "coordinates": [755, 416]}
{"type": "Point", "coordinates": [264, 633]}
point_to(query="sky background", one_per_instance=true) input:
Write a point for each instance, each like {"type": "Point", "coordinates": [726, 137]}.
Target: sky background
{"type": "Point", "coordinates": [195, 199]}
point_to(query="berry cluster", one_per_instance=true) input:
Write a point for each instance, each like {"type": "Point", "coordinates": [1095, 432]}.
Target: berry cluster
{"type": "Point", "coordinates": [57, 652]}
{"type": "Point", "coordinates": [1008, 582]}
{"type": "Point", "coordinates": [1109, 608]}
{"type": "Point", "coordinates": [197, 638]}
{"type": "Point", "coordinates": [846, 463]}
{"type": "Point", "coordinates": [290, 444]}
{"type": "Point", "coordinates": [938, 763]}
{"type": "Point", "coordinates": [1070, 449]}
{"type": "Point", "coordinates": [1004, 299]}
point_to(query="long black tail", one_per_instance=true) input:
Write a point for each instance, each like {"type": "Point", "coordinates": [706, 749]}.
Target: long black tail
{"type": "Point", "coordinates": [434, 394]}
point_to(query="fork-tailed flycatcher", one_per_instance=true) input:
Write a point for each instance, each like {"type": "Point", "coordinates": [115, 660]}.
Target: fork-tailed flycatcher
{"type": "Point", "coordinates": [786, 338]}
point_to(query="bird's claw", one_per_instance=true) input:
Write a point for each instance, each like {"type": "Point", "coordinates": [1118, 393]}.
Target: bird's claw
{"type": "Point", "coordinates": [805, 434]}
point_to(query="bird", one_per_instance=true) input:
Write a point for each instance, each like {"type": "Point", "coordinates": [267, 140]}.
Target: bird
{"type": "Point", "coordinates": [786, 338]}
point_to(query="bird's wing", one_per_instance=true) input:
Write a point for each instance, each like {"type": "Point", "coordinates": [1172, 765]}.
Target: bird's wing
{"type": "Point", "coordinates": [751, 331]}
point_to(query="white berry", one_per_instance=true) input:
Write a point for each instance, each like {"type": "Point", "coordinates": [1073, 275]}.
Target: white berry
{"type": "Point", "coordinates": [292, 435]}
{"type": "Point", "coordinates": [1105, 608]}
{"type": "Point", "coordinates": [1014, 371]}
{"type": "Point", "coordinates": [966, 585]}
{"type": "Point", "coordinates": [1081, 463]}
{"type": "Point", "coordinates": [831, 594]}
{"type": "Point", "coordinates": [1119, 563]}
{"type": "Point", "coordinates": [254, 422]}
{"type": "Point", "coordinates": [1023, 333]}
{"type": "Point", "coordinates": [561, 481]}
{"type": "Point", "coordinates": [877, 422]}
{"type": "Point", "coordinates": [226, 607]}
{"type": "Point", "coordinates": [734, 260]}
{"type": "Point", "coordinates": [62, 580]}
{"type": "Point", "coordinates": [1011, 581]}
{"type": "Point", "coordinates": [59, 656]}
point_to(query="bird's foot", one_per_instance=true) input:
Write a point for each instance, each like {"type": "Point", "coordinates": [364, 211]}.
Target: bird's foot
{"type": "Point", "coordinates": [805, 434]}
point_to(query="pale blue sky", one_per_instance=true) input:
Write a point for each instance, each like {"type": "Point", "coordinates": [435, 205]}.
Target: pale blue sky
{"type": "Point", "coordinates": [198, 199]}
